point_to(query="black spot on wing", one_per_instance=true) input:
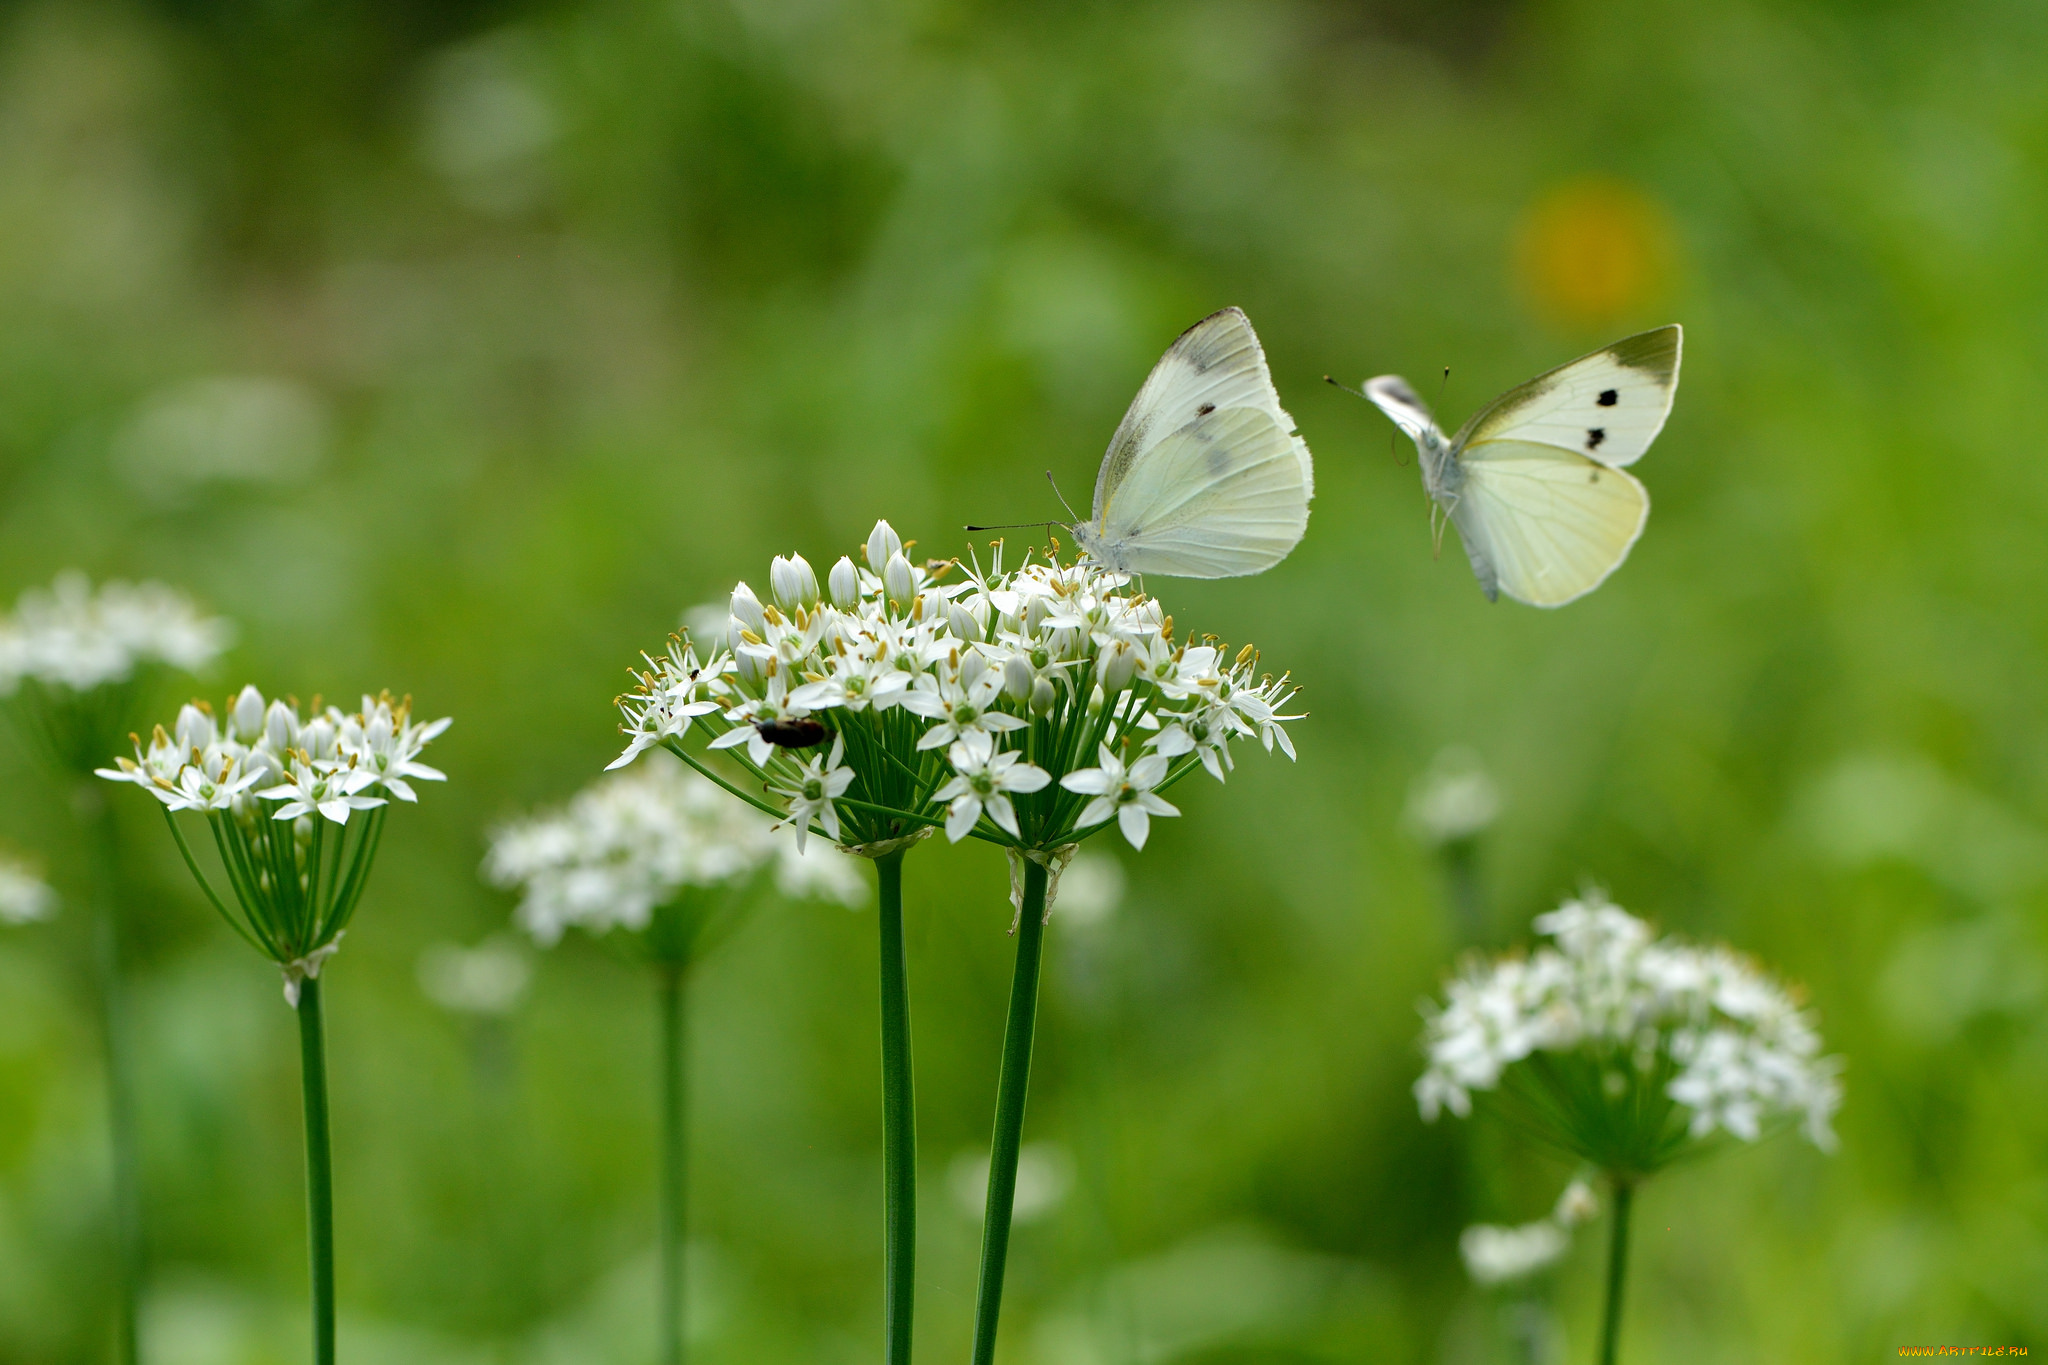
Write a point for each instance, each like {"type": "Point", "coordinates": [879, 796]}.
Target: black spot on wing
{"type": "Point", "coordinates": [1205, 409]}
{"type": "Point", "coordinates": [1594, 436]}
{"type": "Point", "coordinates": [1608, 398]}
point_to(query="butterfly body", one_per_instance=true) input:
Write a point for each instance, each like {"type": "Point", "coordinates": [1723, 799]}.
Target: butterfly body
{"type": "Point", "coordinates": [1535, 482]}
{"type": "Point", "coordinates": [1204, 477]}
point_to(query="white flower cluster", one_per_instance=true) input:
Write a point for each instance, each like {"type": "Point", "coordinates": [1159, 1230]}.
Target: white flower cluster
{"type": "Point", "coordinates": [24, 896]}
{"type": "Point", "coordinates": [1496, 1255]}
{"type": "Point", "coordinates": [1742, 1052]}
{"type": "Point", "coordinates": [329, 764]}
{"type": "Point", "coordinates": [486, 980]}
{"type": "Point", "coordinates": [1027, 707]}
{"type": "Point", "coordinates": [1455, 799]}
{"type": "Point", "coordinates": [632, 843]}
{"type": "Point", "coordinates": [71, 636]}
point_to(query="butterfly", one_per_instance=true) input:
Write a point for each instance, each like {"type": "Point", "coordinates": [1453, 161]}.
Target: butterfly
{"type": "Point", "coordinates": [1205, 477]}
{"type": "Point", "coordinates": [1535, 481]}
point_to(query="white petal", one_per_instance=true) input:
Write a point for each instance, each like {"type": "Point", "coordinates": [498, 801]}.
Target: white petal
{"type": "Point", "coordinates": [1136, 824]}
{"type": "Point", "coordinates": [1003, 813]}
{"type": "Point", "coordinates": [1024, 777]}
{"type": "Point", "coordinates": [960, 818]}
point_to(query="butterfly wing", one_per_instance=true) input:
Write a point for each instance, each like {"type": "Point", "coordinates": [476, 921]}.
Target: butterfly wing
{"type": "Point", "coordinates": [1607, 406]}
{"type": "Point", "coordinates": [1545, 525]}
{"type": "Point", "coordinates": [1390, 394]}
{"type": "Point", "coordinates": [1223, 496]}
{"type": "Point", "coordinates": [1204, 477]}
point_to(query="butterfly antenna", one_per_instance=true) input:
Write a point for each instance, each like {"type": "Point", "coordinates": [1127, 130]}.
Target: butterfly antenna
{"type": "Point", "coordinates": [1355, 393]}
{"type": "Point", "coordinates": [1013, 526]}
{"type": "Point", "coordinates": [1061, 496]}
{"type": "Point", "coordinates": [1443, 387]}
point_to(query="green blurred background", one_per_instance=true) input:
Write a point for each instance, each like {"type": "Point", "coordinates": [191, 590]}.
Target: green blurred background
{"type": "Point", "coordinates": [458, 348]}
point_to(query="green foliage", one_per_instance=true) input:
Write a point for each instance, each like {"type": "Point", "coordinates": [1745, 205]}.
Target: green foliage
{"type": "Point", "coordinates": [599, 305]}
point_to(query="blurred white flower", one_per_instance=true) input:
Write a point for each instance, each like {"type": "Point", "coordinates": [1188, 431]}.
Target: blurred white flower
{"type": "Point", "coordinates": [488, 127]}
{"type": "Point", "coordinates": [633, 842]}
{"type": "Point", "coordinates": [1578, 1204]}
{"type": "Point", "coordinates": [1091, 888]}
{"type": "Point", "coordinates": [816, 871]}
{"type": "Point", "coordinates": [490, 978]}
{"type": "Point", "coordinates": [69, 636]}
{"type": "Point", "coordinates": [1045, 1176]}
{"type": "Point", "coordinates": [24, 896]}
{"type": "Point", "coordinates": [1732, 1047]}
{"type": "Point", "coordinates": [250, 429]}
{"type": "Point", "coordinates": [1454, 799]}
{"type": "Point", "coordinates": [1494, 1255]}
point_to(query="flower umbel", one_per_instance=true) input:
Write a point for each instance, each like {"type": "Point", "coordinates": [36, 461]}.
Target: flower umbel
{"type": "Point", "coordinates": [632, 844]}
{"type": "Point", "coordinates": [73, 658]}
{"type": "Point", "coordinates": [1028, 707]}
{"type": "Point", "coordinates": [71, 636]}
{"type": "Point", "coordinates": [278, 790]}
{"type": "Point", "coordinates": [1626, 1049]}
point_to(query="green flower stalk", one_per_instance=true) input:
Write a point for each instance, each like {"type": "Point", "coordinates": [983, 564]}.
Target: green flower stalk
{"type": "Point", "coordinates": [73, 662]}
{"type": "Point", "coordinates": [1628, 1052]}
{"type": "Point", "coordinates": [1030, 709]}
{"type": "Point", "coordinates": [660, 865]}
{"type": "Point", "coordinates": [289, 802]}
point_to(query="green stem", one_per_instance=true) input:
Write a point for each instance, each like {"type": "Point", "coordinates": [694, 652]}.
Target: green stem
{"type": "Point", "coordinates": [674, 1190]}
{"type": "Point", "coordinates": [127, 1202]}
{"type": "Point", "coordinates": [319, 1169]}
{"type": "Point", "coordinates": [1010, 1093]}
{"type": "Point", "coordinates": [1617, 1271]}
{"type": "Point", "coordinates": [899, 1121]}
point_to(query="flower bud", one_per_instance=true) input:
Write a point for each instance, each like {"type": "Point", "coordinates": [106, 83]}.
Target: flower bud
{"type": "Point", "coordinates": [960, 620]}
{"type": "Point", "coordinates": [247, 715]}
{"type": "Point", "coordinates": [844, 582]}
{"type": "Point", "coordinates": [792, 583]}
{"type": "Point", "coordinates": [746, 610]}
{"type": "Point", "coordinates": [319, 739]}
{"type": "Point", "coordinates": [1017, 678]}
{"type": "Point", "coordinates": [1118, 663]}
{"type": "Point", "coordinates": [883, 545]}
{"type": "Point", "coordinates": [281, 727]}
{"type": "Point", "coordinates": [897, 577]}
{"type": "Point", "coordinates": [1043, 697]}
{"type": "Point", "coordinates": [195, 729]}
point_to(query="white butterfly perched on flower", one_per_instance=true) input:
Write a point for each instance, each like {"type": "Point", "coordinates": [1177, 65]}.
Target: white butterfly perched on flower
{"type": "Point", "coordinates": [1205, 477]}
{"type": "Point", "coordinates": [1535, 481]}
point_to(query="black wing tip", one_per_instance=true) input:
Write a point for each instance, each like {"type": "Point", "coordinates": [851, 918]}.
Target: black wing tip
{"type": "Point", "coordinates": [1656, 351]}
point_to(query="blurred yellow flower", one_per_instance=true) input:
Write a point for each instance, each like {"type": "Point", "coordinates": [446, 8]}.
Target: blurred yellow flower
{"type": "Point", "coordinates": [1594, 251]}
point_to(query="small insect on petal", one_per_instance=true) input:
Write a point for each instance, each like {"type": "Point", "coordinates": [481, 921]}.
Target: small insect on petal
{"type": "Point", "coordinates": [792, 734]}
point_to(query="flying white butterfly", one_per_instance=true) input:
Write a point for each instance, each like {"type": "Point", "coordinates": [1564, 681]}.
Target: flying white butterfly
{"type": "Point", "coordinates": [1205, 477]}
{"type": "Point", "coordinates": [1534, 482]}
